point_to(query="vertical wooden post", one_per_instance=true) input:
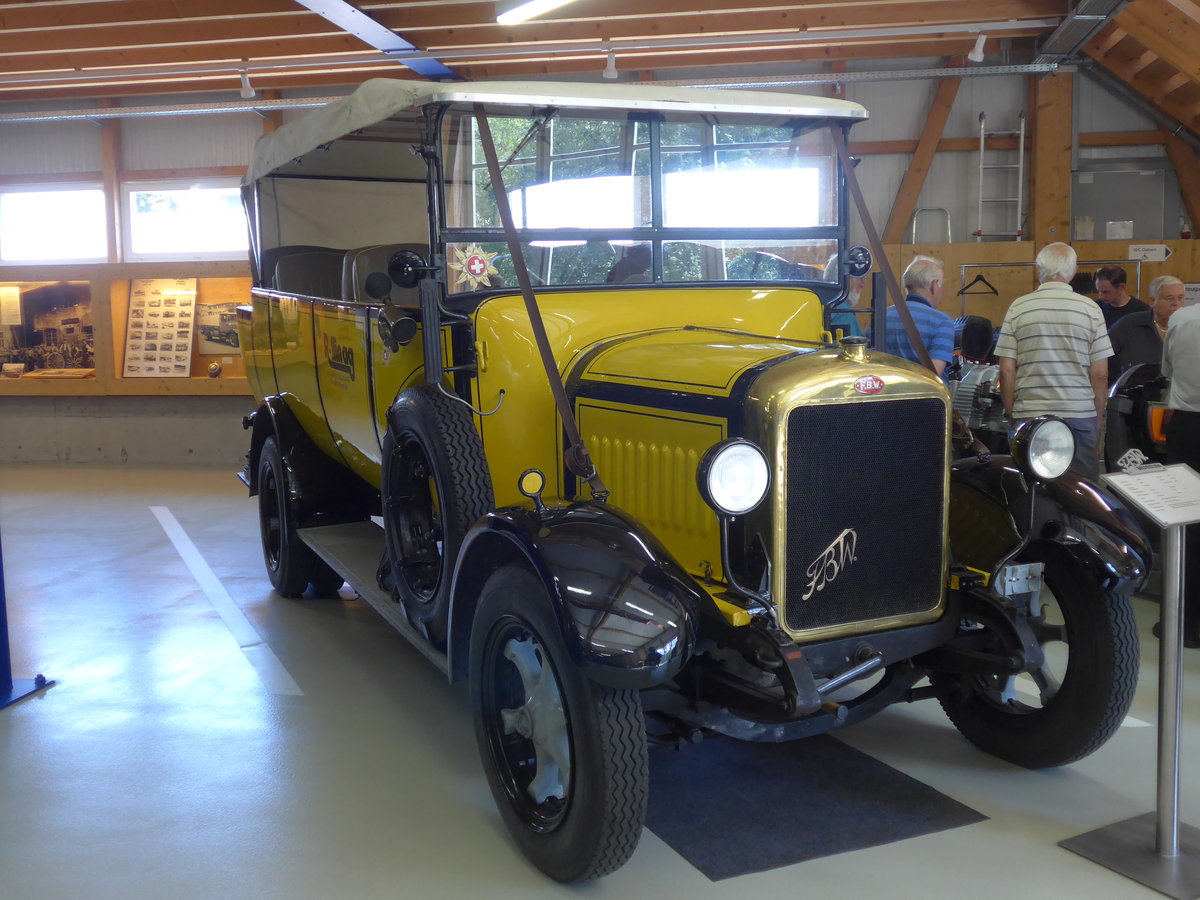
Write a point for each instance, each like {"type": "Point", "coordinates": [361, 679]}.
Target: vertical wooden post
{"type": "Point", "coordinates": [918, 169]}
{"type": "Point", "coordinates": [110, 167]}
{"type": "Point", "coordinates": [1050, 164]}
{"type": "Point", "coordinates": [274, 118]}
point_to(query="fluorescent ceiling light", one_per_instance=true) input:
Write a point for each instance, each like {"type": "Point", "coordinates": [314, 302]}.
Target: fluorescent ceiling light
{"type": "Point", "coordinates": [513, 13]}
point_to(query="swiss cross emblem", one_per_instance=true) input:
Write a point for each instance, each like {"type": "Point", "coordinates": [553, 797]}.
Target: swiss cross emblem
{"type": "Point", "coordinates": [869, 384]}
{"type": "Point", "coordinates": [473, 266]}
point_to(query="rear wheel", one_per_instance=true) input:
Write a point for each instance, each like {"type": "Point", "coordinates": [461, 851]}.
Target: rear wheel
{"type": "Point", "coordinates": [1071, 704]}
{"type": "Point", "coordinates": [291, 564]}
{"type": "Point", "coordinates": [565, 757]}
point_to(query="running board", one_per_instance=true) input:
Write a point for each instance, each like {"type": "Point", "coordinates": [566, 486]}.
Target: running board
{"type": "Point", "coordinates": [354, 551]}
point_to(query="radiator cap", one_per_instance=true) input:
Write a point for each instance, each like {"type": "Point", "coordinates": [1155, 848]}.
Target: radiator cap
{"type": "Point", "coordinates": [854, 348]}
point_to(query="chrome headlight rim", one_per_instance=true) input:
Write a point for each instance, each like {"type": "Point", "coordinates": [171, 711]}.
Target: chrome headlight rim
{"type": "Point", "coordinates": [1038, 447]}
{"type": "Point", "coordinates": [735, 451]}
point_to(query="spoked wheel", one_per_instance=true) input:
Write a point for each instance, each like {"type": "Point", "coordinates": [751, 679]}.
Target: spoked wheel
{"type": "Point", "coordinates": [291, 564]}
{"type": "Point", "coordinates": [435, 486]}
{"type": "Point", "coordinates": [1068, 706]}
{"type": "Point", "coordinates": [565, 757]}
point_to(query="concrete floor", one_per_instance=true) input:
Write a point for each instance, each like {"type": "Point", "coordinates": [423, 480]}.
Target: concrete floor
{"type": "Point", "coordinates": [209, 739]}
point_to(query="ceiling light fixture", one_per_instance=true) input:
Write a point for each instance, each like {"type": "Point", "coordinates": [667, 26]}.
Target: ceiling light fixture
{"type": "Point", "coordinates": [976, 54]}
{"type": "Point", "coordinates": [509, 12]}
{"type": "Point", "coordinates": [247, 91]}
{"type": "Point", "coordinates": [610, 67]}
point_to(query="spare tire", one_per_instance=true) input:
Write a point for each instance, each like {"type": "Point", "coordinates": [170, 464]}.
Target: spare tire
{"type": "Point", "coordinates": [435, 486]}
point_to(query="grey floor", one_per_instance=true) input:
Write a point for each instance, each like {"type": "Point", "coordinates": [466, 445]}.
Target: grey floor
{"type": "Point", "coordinates": [208, 739]}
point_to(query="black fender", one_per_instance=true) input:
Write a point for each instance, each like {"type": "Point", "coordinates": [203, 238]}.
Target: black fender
{"type": "Point", "coordinates": [321, 490]}
{"type": "Point", "coordinates": [625, 607]}
{"type": "Point", "coordinates": [995, 510]}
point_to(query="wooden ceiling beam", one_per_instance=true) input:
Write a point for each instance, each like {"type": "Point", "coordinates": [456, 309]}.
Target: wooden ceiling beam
{"type": "Point", "coordinates": [587, 60]}
{"type": "Point", "coordinates": [1187, 170]}
{"type": "Point", "coordinates": [577, 21]}
{"type": "Point", "coordinates": [436, 25]}
{"type": "Point", "coordinates": [165, 57]}
{"type": "Point", "coordinates": [118, 37]}
{"type": "Point", "coordinates": [63, 16]}
{"type": "Point", "coordinates": [1108, 39]}
{"type": "Point", "coordinates": [1169, 86]}
{"type": "Point", "coordinates": [1174, 96]}
{"type": "Point", "coordinates": [1162, 28]}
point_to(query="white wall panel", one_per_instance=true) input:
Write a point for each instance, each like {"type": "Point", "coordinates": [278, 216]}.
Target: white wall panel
{"type": "Point", "coordinates": [1096, 109]}
{"type": "Point", "coordinates": [181, 142]}
{"type": "Point", "coordinates": [36, 148]}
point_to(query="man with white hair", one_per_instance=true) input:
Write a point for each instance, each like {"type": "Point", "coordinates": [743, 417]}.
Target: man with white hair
{"type": "Point", "coordinates": [1181, 363]}
{"type": "Point", "coordinates": [924, 284]}
{"type": "Point", "coordinates": [1138, 338]}
{"type": "Point", "coordinates": [1053, 353]}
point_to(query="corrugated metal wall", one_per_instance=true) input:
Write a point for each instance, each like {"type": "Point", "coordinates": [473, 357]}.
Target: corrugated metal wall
{"type": "Point", "coordinates": [50, 148]}
{"type": "Point", "coordinates": [184, 142]}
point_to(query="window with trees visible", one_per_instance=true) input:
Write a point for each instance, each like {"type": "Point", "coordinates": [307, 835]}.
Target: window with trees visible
{"type": "Point", "coordinates": [184, 220]}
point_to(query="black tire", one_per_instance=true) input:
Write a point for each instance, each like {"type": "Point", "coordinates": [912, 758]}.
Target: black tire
{"type": "Point", "coordinates": [435, 486]}
{"type": "Point", "coordinates": [1081, 700]}
{"type": "Point", "coordinates": [290, 562]}
{"type": "Point", "coordinates": [588, 819]}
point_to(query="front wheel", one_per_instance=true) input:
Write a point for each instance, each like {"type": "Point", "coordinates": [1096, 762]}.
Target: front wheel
{"type": "Point", "coordinates": [1070, 705]}
{"type": "Point", "coordinates": [565, 757]}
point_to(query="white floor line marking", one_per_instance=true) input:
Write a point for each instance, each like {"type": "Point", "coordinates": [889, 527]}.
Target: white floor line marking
{"type": "Point", "coordinates": [1027, 688]}
{"type": "Point", "coordinates": [272, 672]}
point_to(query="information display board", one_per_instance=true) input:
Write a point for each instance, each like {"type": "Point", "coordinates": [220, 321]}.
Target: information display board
{"type": "Point", "coordinates": [1169, 495]}
{"type": "Point", "coordinates": [158, 339]}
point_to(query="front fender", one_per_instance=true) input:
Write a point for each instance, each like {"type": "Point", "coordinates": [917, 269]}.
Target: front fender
{"type": "Point", "coordinates": [995, 509]}
{"type": "Point", "coordinates": [625, 607]}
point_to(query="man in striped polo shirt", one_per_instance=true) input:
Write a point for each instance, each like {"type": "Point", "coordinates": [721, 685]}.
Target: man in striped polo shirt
{"type": "Point", "coordinates": [1053, 353]}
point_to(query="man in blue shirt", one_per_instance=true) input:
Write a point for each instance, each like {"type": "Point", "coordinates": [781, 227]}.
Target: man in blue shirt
{"type": "Point", "coordinates": [923, 282]}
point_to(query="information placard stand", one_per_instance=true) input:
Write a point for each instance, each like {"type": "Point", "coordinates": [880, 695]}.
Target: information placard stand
{"type": "Point", "coordinates": [1155, 849]}
{"type": "Point", "coordinates": [11, 691]}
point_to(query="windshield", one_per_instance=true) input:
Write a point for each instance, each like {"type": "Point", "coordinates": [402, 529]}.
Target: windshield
{"type": "Point", "coordinates": [604, 197]}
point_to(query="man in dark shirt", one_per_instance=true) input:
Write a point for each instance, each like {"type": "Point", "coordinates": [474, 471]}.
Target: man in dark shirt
{"type": "Point", "coordinates": [1115, 301]}
{"type": "Point", "coordinates": [1138, 338]}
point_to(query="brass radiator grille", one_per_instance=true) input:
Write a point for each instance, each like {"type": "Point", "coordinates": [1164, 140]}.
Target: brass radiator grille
{"type": "Point", "coordinates": [865, 514]}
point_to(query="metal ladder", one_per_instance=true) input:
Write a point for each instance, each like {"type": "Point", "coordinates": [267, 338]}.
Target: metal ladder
{"type": "Point", "coordinates": [984, 166]}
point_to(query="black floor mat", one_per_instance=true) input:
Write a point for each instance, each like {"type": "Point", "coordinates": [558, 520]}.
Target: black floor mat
{"type": "Point", "coordinates": [733, 807]}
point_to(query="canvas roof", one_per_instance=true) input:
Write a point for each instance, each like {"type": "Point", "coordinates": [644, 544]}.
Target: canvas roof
{"type": "Point", "coordinates": [381, 98]}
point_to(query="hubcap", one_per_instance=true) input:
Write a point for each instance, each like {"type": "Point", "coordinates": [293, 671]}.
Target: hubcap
{"type": "Point", "coordinates": [528, 725]}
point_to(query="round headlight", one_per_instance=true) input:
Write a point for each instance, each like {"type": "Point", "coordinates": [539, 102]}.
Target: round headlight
{"type": "Point", "coordinates": [1044, 447]}
{"type": "Point", "coordinates": [734, 477]}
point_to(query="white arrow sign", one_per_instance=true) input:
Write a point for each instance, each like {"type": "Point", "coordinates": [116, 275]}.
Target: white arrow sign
{"type": "Point", "coordinates": [1149, 252]}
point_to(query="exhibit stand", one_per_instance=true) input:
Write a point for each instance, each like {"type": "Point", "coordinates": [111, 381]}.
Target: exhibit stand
{"type": "Point", "coordinates": [11, 691]}
{"type": "Point", "coordinates": [1156, 849]}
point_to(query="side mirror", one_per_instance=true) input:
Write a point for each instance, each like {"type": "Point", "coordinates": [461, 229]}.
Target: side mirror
{"type": "Point", "coordinates": [378, 286]}
{"type": "Point", "coordinates": [858, 262]}
{"type": "Point", "coordinates": [405, 268]}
